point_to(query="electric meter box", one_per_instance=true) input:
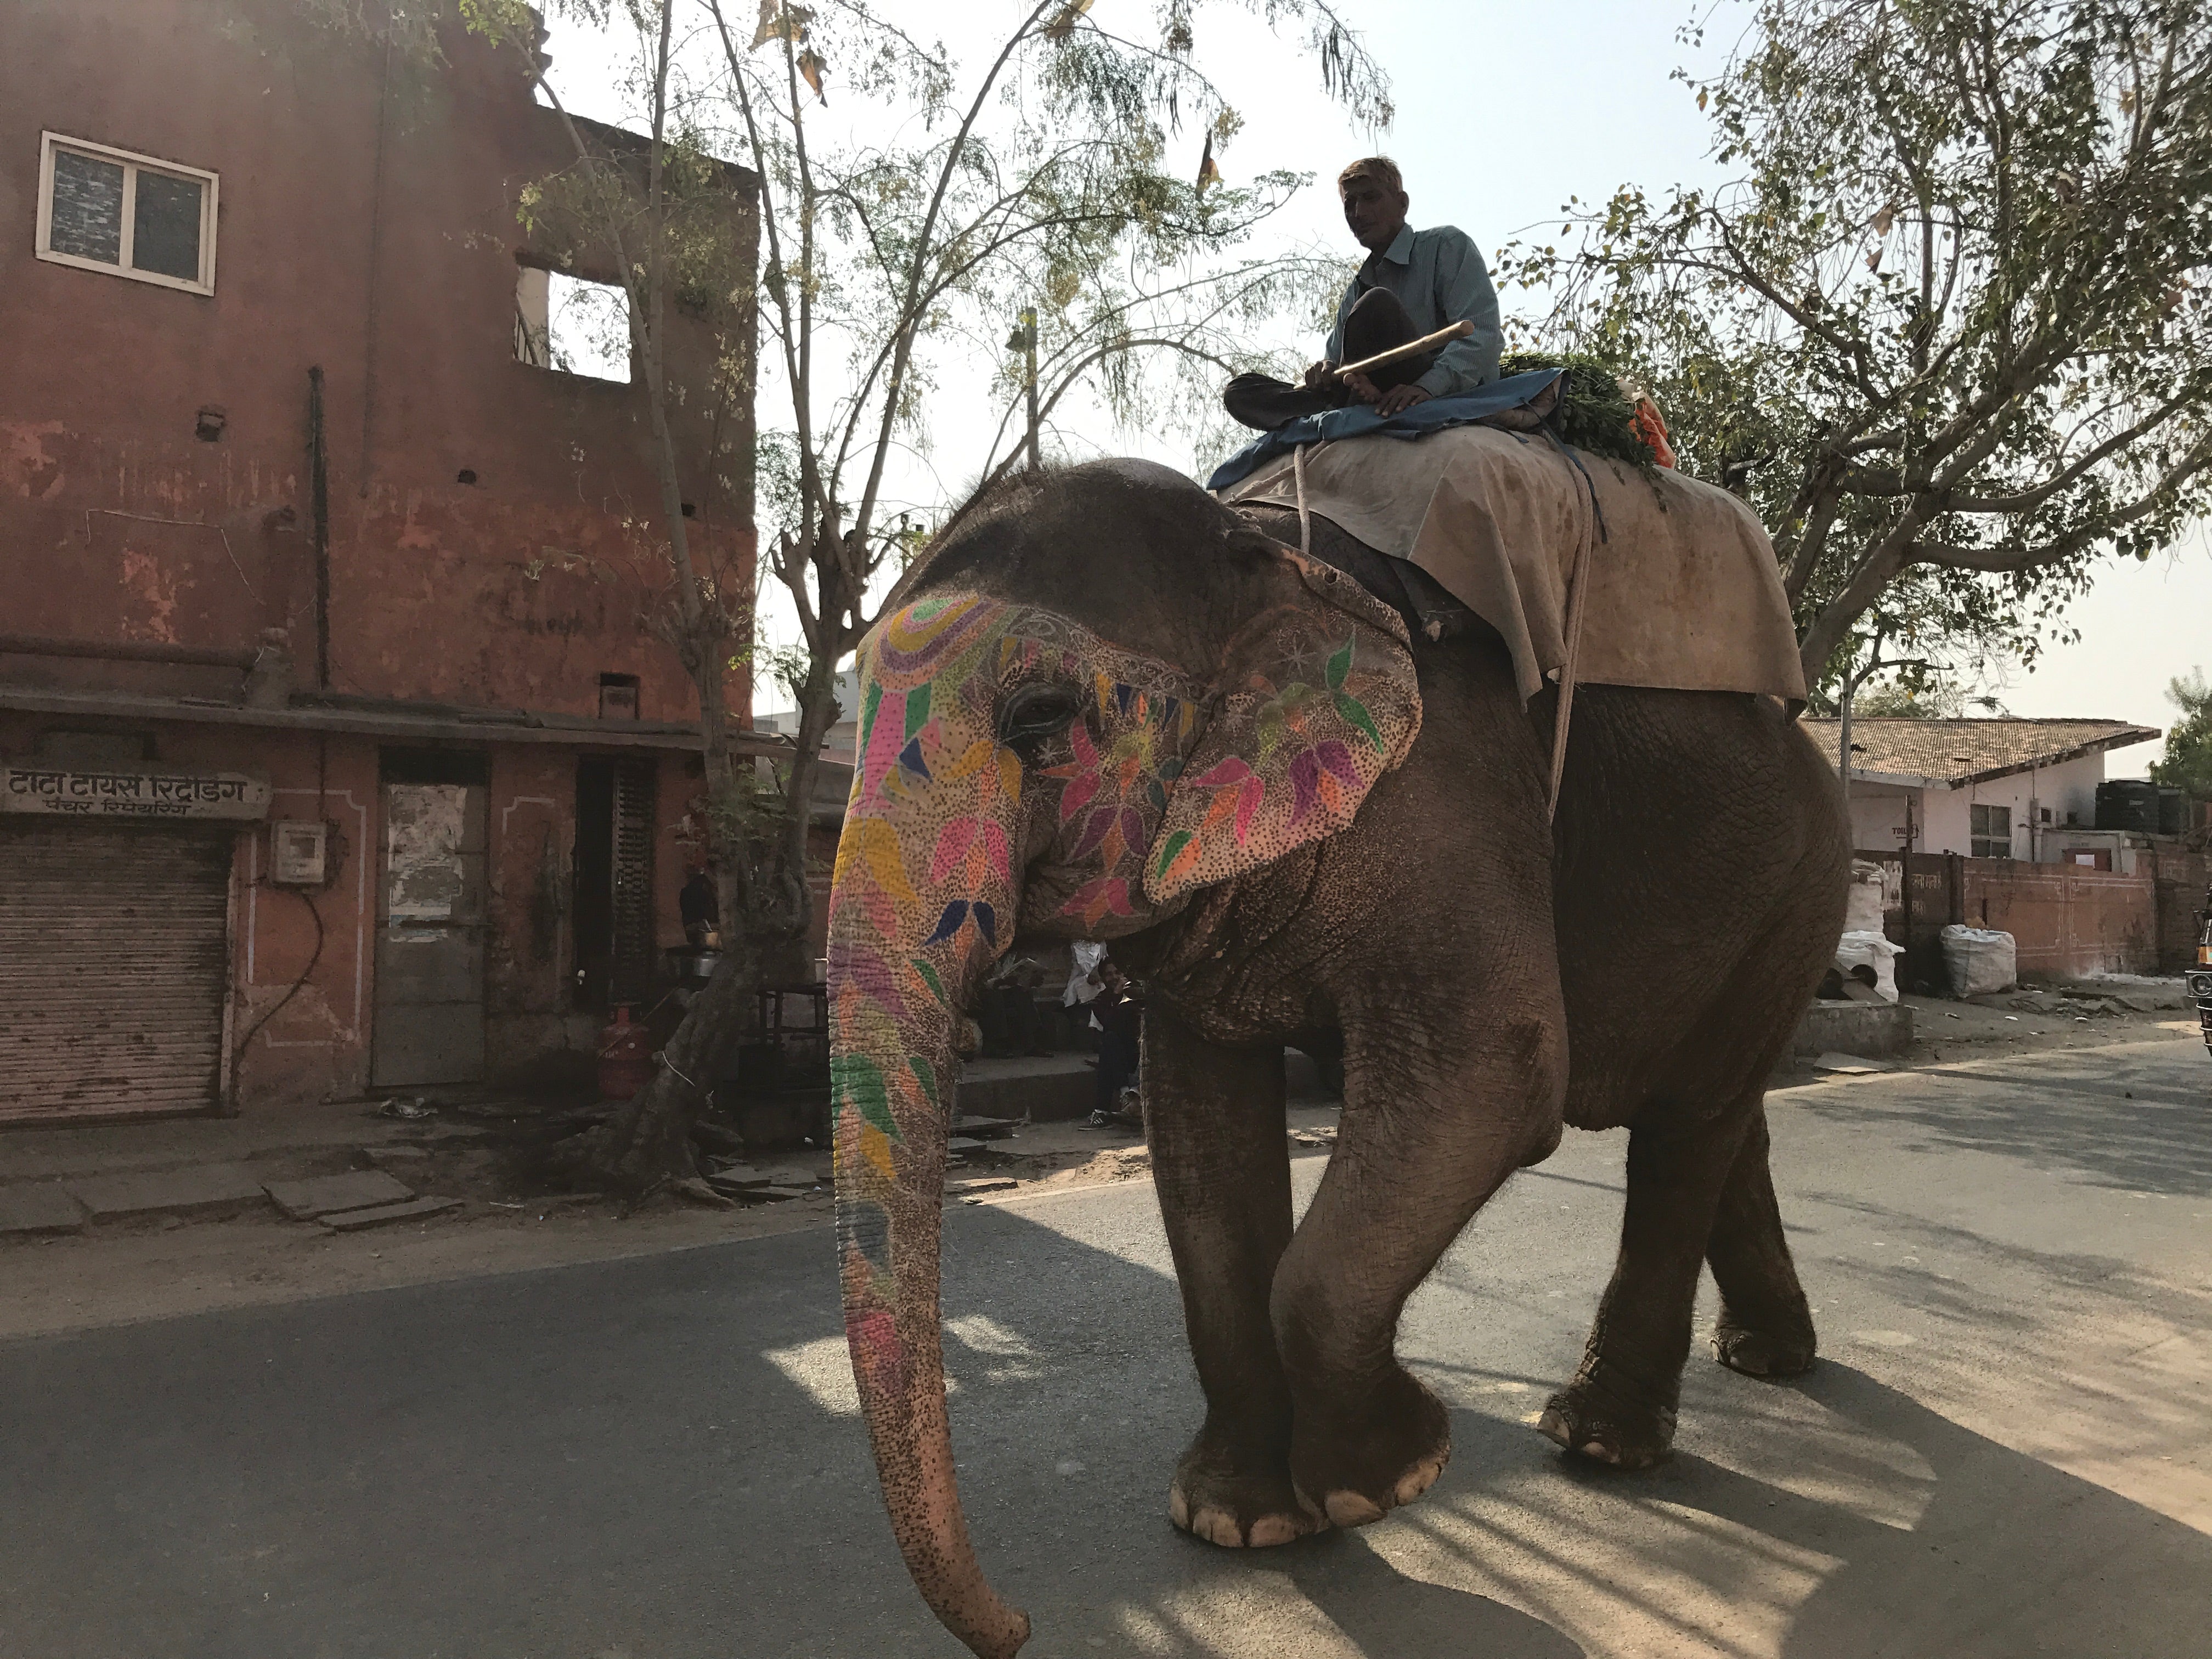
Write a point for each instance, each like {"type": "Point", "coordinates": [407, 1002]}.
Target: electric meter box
{"type": "Point", "coordinates": [299, 852]}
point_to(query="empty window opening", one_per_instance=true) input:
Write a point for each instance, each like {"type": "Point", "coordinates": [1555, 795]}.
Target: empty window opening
{"type": "Point", "coordinates": [103, 208]}
{"type": "Point", "coordinates": [467, 475]}
{"type": "Point", "coordinates": [575, 326]}
{"type": "Point", "coordinates": [617, 696]}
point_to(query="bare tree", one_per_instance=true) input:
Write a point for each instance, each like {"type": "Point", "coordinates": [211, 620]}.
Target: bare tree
{"type": "Point", "coordinates": [1040, 181]}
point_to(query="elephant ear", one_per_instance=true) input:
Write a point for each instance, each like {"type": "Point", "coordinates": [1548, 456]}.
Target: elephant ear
{"type": "Point", "coordinates": [1318, 702]}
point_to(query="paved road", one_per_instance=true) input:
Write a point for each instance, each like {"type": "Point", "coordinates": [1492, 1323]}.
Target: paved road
{"type": "Point", "coordinates": [2007, 1449]}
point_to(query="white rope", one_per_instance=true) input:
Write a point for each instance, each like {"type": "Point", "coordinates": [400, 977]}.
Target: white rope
{"type": "Point", "coordinates": [1577, 594]}
{"type": "Point", "coordinates": [1305, 523]}
{"type": "Point", "coordinates": [662, 1056]}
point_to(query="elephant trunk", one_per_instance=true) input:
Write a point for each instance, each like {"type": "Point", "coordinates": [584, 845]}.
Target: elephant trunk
{"type": "Point", "coordinates": [896, 1003]}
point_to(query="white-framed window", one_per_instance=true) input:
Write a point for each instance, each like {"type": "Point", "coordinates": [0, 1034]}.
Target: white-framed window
{"type": "Point", "coordinates": [104, 209]}
{"type": "Point", "coordinates": [1991, 831]}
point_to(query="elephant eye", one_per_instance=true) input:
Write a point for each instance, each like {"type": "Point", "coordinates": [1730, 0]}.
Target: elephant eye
{"type": "Point", "coordinates": [1035, 712]}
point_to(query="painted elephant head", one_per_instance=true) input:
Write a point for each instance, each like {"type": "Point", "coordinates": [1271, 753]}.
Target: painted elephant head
{"type": "Point", "coordinates": [1019, 768]}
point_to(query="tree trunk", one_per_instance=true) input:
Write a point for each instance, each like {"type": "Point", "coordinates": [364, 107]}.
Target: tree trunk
{"type": "Point", "coordinates": [647, 1141]}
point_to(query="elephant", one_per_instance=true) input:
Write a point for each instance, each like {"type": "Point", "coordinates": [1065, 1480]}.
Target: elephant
{"type": "Point", "coordinates": [1102, 705]}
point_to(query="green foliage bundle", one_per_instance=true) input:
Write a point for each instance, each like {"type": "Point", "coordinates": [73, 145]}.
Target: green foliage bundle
{"type": "Point", "coordinates": [1594, 413]}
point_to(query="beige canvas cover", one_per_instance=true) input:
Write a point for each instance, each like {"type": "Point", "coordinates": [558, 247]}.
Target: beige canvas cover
{"type": "Point", "coordinates": [1685, 593]}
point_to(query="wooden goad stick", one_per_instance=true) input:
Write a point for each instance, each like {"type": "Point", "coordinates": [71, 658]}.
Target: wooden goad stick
{"type": "Point", "coordinates": [1398, 354]}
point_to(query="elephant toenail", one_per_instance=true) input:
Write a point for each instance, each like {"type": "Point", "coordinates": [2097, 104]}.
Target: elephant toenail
{"type": "Point", "coordinates": [1553, 1427]}
{"type": "Point", "coordinates": [1178, 1507]}
{"type": "Point", "coordinates": [1350, 1509]}
{"type": "Point", "coordinates": [1600, 1450]}
{"type": "Point", "coordinates": [1413, 1484]}
{"type": "Point", "coordinates": [1216, 1527]}
{"type": "Point", "coordinates": [1270, 1530]}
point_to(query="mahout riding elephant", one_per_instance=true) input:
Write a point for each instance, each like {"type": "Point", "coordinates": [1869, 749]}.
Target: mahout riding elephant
{"type": "Point", "coordinates": [1102, 705]}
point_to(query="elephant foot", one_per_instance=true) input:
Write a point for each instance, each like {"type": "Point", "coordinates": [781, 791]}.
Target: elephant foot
{"type": "Point", "coordinates": [1598, 1424]}
{"type": "Point", "coordinates": [1352, 1468]}
{"type": "Point", "coordinates": [1238, 1502]}
{"type": "Point", "coordinates": [1771, 1355]}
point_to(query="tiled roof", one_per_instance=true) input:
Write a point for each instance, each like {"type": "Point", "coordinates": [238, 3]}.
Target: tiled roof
{"type": "Point", "coordinates": [1958, 751]}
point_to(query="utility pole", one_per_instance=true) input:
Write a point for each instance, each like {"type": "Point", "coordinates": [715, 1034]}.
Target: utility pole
{"type": "Point", "coordinates": [1023, 339]}
{"type": "Point", "coordinates": [1874, 664]}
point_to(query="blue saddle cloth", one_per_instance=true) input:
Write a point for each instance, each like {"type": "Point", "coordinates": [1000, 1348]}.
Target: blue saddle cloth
{"type": "Point", "coordinates": [1357, 420]}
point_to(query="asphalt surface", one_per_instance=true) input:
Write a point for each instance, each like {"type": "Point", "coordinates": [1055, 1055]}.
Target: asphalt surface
{"type": "Point", "coordinates": [2006, 1449]}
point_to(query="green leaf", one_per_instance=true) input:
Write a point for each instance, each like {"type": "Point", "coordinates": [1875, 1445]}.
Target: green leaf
{"type": "Point", "coordinates": [1355, 714]}
{"type": "Point", "coordinates": [929, 978]}
{"type": "Point", "coordinates": [857, 1079]}
{"type": "Point", "coordinates": [1340, 667]}
{"type": "Point", "coordinates": [868, 714]}
{"type": "Point", "coordinates": [1173, 845]}
{"type": "Point", "coordinates": [917, 709]}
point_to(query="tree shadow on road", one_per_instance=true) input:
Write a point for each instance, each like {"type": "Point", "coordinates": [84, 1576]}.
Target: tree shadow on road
{"type": "Point", "coordinates": [2010, 1557]}
{"type": "Point", "coordinates": [2056, 1117]}
{"type": "Point", "coordinates": [1389, 1615]}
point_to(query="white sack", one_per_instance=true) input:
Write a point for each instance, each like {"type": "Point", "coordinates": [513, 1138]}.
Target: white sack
{"type": "Point", "coordinates": [1866, 948]}
{"type": "Point", "coordinates": [1863, 905]}
{"type": "Point", "coordinates": [1980, 961]}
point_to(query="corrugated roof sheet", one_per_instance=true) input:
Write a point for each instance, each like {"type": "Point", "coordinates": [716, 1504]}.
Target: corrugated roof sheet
{"type": "Point", "coordinates": [1958, 751]}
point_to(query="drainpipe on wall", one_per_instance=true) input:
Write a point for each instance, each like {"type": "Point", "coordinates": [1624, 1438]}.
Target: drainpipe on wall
{"type": "Point", "coordinates": [319, 497]}
{"type": "Point", "coordinates": [375, 245]}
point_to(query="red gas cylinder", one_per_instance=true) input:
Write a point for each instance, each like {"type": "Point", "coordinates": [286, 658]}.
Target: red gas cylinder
{"type": "Point", "coordinates": [625, 1058]}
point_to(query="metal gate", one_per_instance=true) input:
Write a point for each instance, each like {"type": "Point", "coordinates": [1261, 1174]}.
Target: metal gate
{"type": "Point", "coordinates": [115, 969]}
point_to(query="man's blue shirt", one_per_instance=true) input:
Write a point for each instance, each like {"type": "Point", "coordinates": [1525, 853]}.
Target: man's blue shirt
{"type": "Point", "coordinates": [1439, 277]}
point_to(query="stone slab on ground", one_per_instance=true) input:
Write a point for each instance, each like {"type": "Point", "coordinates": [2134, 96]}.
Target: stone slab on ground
{"type": "Point", "coordinates": [1850, 1065]}
{"type": "Point", "coordinates": [195, 1189]}
{"type": "Point", "coordinates": [353, 1221]}
{"type": "Point", "coordinates": [980, 1184]}
{"type": "Point", "coordinates": [320, 1195]}
{"type": "Point", "coordinates": [1879, 1030]}
{"type": "Point", "coordinates": [39, 1209]}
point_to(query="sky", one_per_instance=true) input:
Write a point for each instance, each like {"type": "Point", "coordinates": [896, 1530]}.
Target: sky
{"type": "Point", "coordinates": [1505, 109]}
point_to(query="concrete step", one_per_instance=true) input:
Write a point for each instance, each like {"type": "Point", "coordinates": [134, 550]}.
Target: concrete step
{"type": "Point", "coordinates": [1044, 1089]}
{"type": "Point", "coordinates": [1877, 1030]}
{"type": "Point", "coordinates": [1054, 1088]}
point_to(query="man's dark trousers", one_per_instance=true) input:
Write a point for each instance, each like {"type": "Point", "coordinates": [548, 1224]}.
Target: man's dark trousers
{"type": "Point", "coordinates": [1376, 321]}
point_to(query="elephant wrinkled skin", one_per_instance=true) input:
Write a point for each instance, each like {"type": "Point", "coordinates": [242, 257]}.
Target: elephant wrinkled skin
{"type": "Point", "coordinates": [1101, 706]}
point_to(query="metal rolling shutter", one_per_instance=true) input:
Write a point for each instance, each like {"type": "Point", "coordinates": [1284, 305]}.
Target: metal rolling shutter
{"type": "Point", "coordinates": [636, 940]}
{"type": "Point", "coordinates": [113, 958]}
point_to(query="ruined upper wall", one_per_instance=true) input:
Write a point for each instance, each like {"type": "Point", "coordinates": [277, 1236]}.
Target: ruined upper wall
{"type": "Point", "coordinates": [366, 225]}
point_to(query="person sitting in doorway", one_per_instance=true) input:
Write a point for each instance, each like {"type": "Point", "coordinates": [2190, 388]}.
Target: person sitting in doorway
{"type": "Point", "coordinates": [1413, 283]}
{"type": "Point", "coordinates": [1119, 1013]}
{"type": "Point", "coordinates": [700, 908]}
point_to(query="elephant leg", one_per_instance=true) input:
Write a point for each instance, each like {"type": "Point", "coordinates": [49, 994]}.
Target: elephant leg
{"type": "Point", "coordinates": [1221, 1162]}
{"type": "Point", "coordinates": [1765, 1326]}
{"type": "Point", "coordinates": [1620, 1407]}
{"type": "Point", "coordinates": [1433, 1124]}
